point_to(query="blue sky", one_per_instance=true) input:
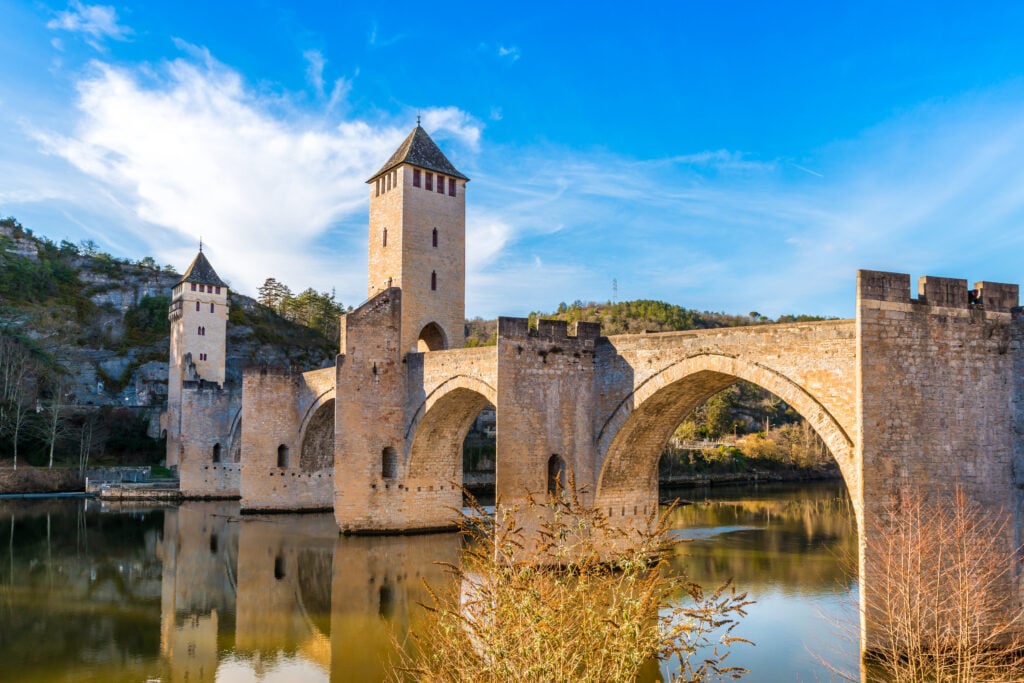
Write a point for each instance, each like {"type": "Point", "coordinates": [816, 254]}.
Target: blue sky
{"type": "Point", "coordinates": [728, 156]}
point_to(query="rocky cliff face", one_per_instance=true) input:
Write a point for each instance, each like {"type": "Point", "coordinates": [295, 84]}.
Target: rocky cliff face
{"type": "Point", "coordinates": [101, 323]}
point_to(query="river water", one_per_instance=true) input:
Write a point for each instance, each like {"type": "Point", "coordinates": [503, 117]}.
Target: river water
{"type": "Point", "coordinates": [197, 592]}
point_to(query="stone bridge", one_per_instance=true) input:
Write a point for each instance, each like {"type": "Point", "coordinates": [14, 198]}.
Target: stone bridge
{"type": "Point", "coordinates": [915, 392]}
{"type": "Point", "coordinates": [918, 394]}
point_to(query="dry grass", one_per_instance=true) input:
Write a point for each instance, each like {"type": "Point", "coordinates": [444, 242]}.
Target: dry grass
{"type": "Point", "coordinates": [575, 600]}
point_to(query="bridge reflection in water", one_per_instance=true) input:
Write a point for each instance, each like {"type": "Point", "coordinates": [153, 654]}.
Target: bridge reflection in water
{"type": "Point", "coordinates": [199, 592]}
{"type": "Point", "coordinates": [286, 595]}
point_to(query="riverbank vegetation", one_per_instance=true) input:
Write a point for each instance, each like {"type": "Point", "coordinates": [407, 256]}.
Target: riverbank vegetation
{"type": "Point", "coordinates": [944, 605]}
{"type": "Point", "coordinates": [581, 613]}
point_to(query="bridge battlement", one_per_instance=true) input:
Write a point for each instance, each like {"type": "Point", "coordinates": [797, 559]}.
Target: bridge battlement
{"type": "Point", "coordinates": [549, 330]}
{"type": "Point", "coordinates": [944, 292]}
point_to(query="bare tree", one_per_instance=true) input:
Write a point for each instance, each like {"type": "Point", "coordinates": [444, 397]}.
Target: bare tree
{"type": "Point", "coordinates": [943, 603]}
{"type": "Point", "coordinates": [15, 391]}
{"type": "Point", "coordinates": [53, 427]}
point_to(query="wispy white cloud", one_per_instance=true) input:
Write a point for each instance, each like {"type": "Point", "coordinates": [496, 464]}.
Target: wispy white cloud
{"type": "Point", "coordinates": [374, 39]}
{"type": "Point", "coordinates": [509, 52]}
{"type": "Point", "coordinates": [452, 122]}
{"type": "Point", "coordinates": [96, 22]}
{"type": "Point", "coordinates": [191, 149]}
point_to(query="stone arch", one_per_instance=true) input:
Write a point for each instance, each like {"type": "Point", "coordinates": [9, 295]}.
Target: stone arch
{"type": "Point", "coordinates": [318, 439]}
{"type": "Point", "coordinates": [435, 434]}
{"type": "Point", "coordinates": [631, 440]}
{"type": "Point", "coordinates": [432, 338]}
{"type": "Point", "coordinates": [235, 441]}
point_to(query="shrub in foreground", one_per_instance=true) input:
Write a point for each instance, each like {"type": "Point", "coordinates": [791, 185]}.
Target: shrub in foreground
{"type": "Point", "coordinates": [573, 600]}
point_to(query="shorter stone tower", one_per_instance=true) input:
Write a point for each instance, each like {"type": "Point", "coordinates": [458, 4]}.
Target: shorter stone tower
{"type": "Point", "coordinates": [418, 242]}
{"type": "Point", "coordinates": [198, 355]}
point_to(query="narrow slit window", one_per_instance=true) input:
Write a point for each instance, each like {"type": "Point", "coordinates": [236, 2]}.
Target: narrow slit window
{"type": "Point", "coordinates": [197, 306]}
{"type": "Point", "coordinates": [384, 239]}
{"type": "Point", "coordinates": [216, 452]}
{"type": "Point", "coordinates": [282, 456]}
{"type": "Point", "coordinates": [433, 281]}
{"type": "Point", "coordinates": [211, 308]}
{"type": "Point", "coordinates": [434, 237]}
{"type": "Point", "coordinates": [389, 463]}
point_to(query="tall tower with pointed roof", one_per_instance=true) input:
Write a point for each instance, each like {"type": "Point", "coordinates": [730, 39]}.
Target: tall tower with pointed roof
{"type": "Point", "coordinates": [199, 318]}
{"type": "Point", "coordinates": [418, 242]}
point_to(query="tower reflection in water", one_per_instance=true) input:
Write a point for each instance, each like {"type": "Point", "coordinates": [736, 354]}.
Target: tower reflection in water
{"type": "Point", "coordinates": [284, 597]}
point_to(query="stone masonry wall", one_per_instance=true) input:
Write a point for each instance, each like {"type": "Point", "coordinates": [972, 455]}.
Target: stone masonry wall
{"type": "Point", "coordinates": [937, 394]}
{"type": "Point", "coordinates": [545, 406]}
{"type": "Point", "coordinates": [278, 406]}
{"type": "Point", "coordinates": [208, 414]}
{"type": "Point", "coordinates": [369, 415]}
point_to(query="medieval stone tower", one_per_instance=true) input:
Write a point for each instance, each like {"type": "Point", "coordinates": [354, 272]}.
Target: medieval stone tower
{"type": "Point", "coordinates": [199, 317]}
{"type": "Point", "coordinates": [418, 242]}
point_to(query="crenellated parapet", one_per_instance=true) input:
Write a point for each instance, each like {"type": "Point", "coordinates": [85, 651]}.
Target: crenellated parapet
{"type": "Point", "coordinates": [549, 330]}
{"type": "Point", "coordinates": [940, 292]}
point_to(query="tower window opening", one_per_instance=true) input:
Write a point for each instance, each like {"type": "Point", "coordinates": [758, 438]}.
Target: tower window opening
{"type": "Point", "coordinates": [202, 288]}
{"type": "Point", "coordinates": [218, 290]}
{"type": "Point", "coordinates": [384, 240]}
{"type": "Point", "coordinates": [213, 544]}
{"type": "Point", "coordinates": [556, 475]}
{"type": "Point", "coordinates": [440, 184]}
{"type": "Point", "coordinates": [434, 238]}
{"type": "Point", "coordinates": [416, 178]}
{"type": "Point", "coordinates": [216, 452]}
{"type": "Point", "coordinates": [377, 184]}
{"type": "Point", "coordinates": [389, 463]}
{"type": "Point", "coordinates": [282, 456]}
{"type": "Point", "coordinates": [394, 178]}
{"type": "Point", "coordinates": [430, 181]}
{"type": "Point", "coordinates": [211, 308]}
{"type": "Point", "coordinates": [433, 281]}
{"type": "Point", "coordinates": [197, 306]}
{"type": "Point", "coordinates": [451, 187]}
{"type": "Point", "coordinates": [193, 286]}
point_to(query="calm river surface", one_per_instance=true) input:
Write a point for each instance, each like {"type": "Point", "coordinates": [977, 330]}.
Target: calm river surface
{"type": "Point", "coordinates": [197, 592]}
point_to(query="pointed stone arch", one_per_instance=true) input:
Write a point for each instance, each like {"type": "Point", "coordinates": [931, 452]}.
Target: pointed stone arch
{"type": "Point", "coordinates": [440, 424]}
{"type": "Point", "coordinates": [318, 439]}
{"type": "Point", "coordinates": [631, 440]}
{"type": "Point", "coordinates": [432, 338]}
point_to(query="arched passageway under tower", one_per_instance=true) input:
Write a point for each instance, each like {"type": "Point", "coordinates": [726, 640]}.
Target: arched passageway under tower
{"type": "Point", "coordinates": [432, 338]}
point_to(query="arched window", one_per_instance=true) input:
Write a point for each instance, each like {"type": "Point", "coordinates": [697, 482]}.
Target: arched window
{"type": "Point", "coordinates": [216, 452]}
{"type": "Point", "coordinates": [556, 475]}
{"type": "Point", "coordinates": [384, 241]}
{"type": "Point", "coordinates": [282, 456]}
{"type": "Point", "coordinates": [435, 237]}
{"type": "Point", "coordinates": [433, 281]}
{"type": "Point", "coordinates": [389, 463]}
{"type": "Point", "coordinates": [211, 308]}
{"type": "Point", "coordinates": [197, 306]}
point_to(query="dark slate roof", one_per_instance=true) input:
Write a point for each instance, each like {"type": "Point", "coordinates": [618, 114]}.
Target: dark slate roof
{"type": "Point", "coordinates": [419, 150]}
{"type": "Point", "coordinates": [202, 272]}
